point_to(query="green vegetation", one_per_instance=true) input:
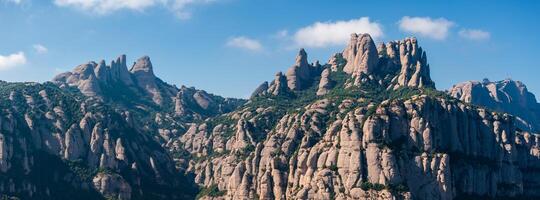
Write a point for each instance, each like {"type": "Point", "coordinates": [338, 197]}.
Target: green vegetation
{"type": "Point", "coordinates": [81, 170]}
{"type": "Point", "coordinates": [378, 187]}
{"type": "Point", "coordinates": [366, 186]}
{"type": "Point", "coordinates": [399, 188]}
{"type": "Point", "coordinates": [333, 167]}
{"type": "Point", "coordinates": [212, 191]}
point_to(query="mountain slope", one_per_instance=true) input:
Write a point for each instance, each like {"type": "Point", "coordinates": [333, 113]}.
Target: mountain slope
{"type": "Point", "coordinates": [101, 132]}
{"type": "Point", "coordinates": [503, 96]}
{"type": "Point", "coordinates": [364, 126]}
{"type": "Point", "coordinates": [56, 143]}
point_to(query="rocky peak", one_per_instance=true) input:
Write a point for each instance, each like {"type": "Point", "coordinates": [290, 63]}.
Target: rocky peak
{"type": "Point", "coordinates": [365, 62]}
{"type": "Point", "coordinates": [279, 85]}
{"type": "Point", "coordinates": [95, 79]}
{"type": "Point", "coordinates": [414, 67]}
{"type": "Point", "coordinates": [301, 74]}
{"type": "Point", "coordinates": [145, 79]}
{"type": "Point", "coordinates": [85, 70]}
{"type": "Point", "coordinates": [392, 65]}
{"type": "Point", "coordinates": [119, 70]}
{"type": "Point", "coordinates": [505, 96]}
{"type": "Point", "coordinates": [143, 65]}
{"type": "Point", "coordinates": [361, 55]}
{"type": "Point", "coordinates": [301, 58]}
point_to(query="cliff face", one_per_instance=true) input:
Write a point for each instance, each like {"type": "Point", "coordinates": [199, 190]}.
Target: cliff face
{"type": "Point", "coordinates": [366, 130]}
{"type": "Point", "coordinates": [56, 144]}
{"type": "Point", "coordinates": [420, 148]}
{"type": "Point", "coordinates": [504, 96]}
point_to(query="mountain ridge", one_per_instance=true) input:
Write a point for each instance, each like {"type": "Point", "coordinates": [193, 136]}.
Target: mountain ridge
{"type": "Point", "coordinates": [378, 132]}
{"type": "Point", "coordinates": [368, 124]}
{"type": "Point", "coordinates": [505, 96]}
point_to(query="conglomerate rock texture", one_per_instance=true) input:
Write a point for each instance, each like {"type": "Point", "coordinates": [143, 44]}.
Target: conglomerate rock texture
{"type": "Point", "coordinates": [372, 127]}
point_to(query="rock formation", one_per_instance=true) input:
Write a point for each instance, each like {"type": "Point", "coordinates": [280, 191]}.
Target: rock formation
{"type": "Point", "coordinates": [301, 74]}
{"type": "Point", "coordinates": [369, 124]}
{"type": "Point", "coordinates": [361, 55]}
{"type": "Point", "coordinates": [393, 65]}
{"type": "Point", "coordinates": [56, 144]}
{"type": "Point", "coordinates": [139, 87]}
{"type": "Point", "coordinates": [115, 81]}
{"type": "Point", "coordinates": [379, 131]}
{"type": "Point", "coordinates": [504, 96]}
{"type": "Point", "coordinates": [325, 84]}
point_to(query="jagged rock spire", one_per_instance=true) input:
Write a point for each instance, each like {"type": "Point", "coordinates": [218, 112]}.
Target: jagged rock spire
{"type": "Point", "coordinates": [361, 55]}
{"type": "Point", "coordinates": [414, 67]}
{"type": "Point", "coordinates": [279, 85]}
{"type": "Point", "coordinates": [119, 70]}
{"type": "Point", "coordinates": [300, 75]}
{"type": "Point", "coordinates": [94, 79]}
{"type": "Point", "coordinates": [143, 65]}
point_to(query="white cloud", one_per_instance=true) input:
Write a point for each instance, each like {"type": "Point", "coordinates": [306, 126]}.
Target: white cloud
{"type": "Point", "coordinates": [40, 49]}
{"type": "Point", "coordinates": [179, 7]}
{"type": "Point", "coordinates": [427, 27]}
{"type": "Point", "coordinates": [13, 1]}
{"type": "Point", "coordinates": [245, 43]}
{"type": "Point", "coordinates": [322, 34]}
{"type": "Point", "coordinates": [474, 34]}
{"type": "Point", "coordinates": [281, 34]}
{"type": "Point", "coordinates": [12, 60]}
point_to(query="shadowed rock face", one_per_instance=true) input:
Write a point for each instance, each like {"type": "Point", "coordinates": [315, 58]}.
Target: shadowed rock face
{"type": "Point", "coordinates": [503, 96]}
{"type": "Point", "coordinates": [368, 130]}
{"type": "Point", "coordinates": [57, 144]}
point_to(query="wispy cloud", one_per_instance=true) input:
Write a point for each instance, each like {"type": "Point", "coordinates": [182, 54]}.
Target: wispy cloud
{"type": "Point", "coordinates": [425, 26]}
{"type": "Point", "coordinates": [12, 1]}
{"type": "Point", "coordinates": [245, 43]}
{"type": "Point", "coordinates": [281, 34]}
{"type": "Point", "coordinates": [323, 34]}
{"type": "Point", "coordinates": [40, 49]}
{"type": "Point", "coordinates": [181, 8]}
{"type": "Point", "coordinates": [474, 34]}
{"type": "Point", "coordinates": [12, 60]}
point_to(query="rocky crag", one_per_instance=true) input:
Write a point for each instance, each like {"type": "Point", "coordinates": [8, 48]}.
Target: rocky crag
{"type": "Point", "coordinates": [99, 132]}
{"type": "Point", "coordinates": [504, 96]}
{"type": "Point", "coordinates": [369, 124]}
{"type": "Point", "coordinates": [139, 89]}
{"type": "Point", "coordinates": [56, 144]}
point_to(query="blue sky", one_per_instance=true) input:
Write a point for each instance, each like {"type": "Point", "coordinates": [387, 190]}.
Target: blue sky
{"type": "Point", "coordinates": [229, 47]}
